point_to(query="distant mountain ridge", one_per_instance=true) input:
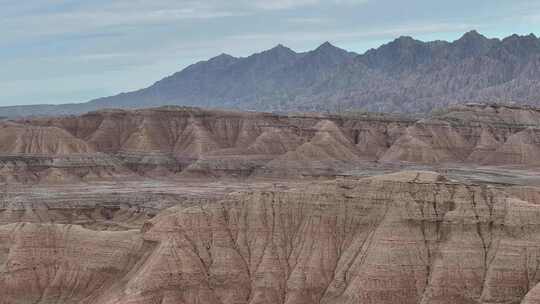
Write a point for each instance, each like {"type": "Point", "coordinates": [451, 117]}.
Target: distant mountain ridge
{"type": "Point", "coordinates": [405, 75]}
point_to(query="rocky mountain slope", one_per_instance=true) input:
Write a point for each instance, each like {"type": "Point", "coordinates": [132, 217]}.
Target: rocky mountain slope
{"type": "Point", "coordinates": [174, 141]}
{"type": "Point", "coordinates": [410, 237]}
{"type": "Point", "coordinates": [405, 75]}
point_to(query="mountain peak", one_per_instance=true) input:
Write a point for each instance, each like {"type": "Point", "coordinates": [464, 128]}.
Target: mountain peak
{"type": "Point", "coordinates": [326, 45]}
{"type": "Point", "coordinates": [473, 34]}
{"type": "Point", "coordinates": [405, 39]}
{"type": "Point", "coordinates": [472, 37]}
{"type": "Point", "coordinates": [472, 43]}
{"type": "Point", "coordinates": [403, 42]}
{"type": "Point", "coordinates": [280, 49]}
{"type": "Point", "coordinates": [224, 56]}
{"type": "Point", "coordinates": [521, 46]}
{"type": "Point", "coordinates": [328, 48]}
{"type": "Point", "coordinates": [327, 54]}
{"type": "Point", "coordinates": [222, 59]}
{"type": "Point", "coordinates": [516, 37]}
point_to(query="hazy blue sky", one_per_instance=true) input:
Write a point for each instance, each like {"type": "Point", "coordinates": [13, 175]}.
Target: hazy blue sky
{"type": "Point", "coordinates": [58, 51]}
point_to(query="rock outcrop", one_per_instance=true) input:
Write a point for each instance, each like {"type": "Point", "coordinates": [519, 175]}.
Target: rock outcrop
{"type": "Point", "coordinates": [200, 143]}
{"type": "Point", "coordinates": [26, 139]}
{"type": "Point", "coordinates": [477, 134]}
{"type": "Point", "coordinates": [46, 263]}
{"type": "Point", "coordinates": [409, 237]}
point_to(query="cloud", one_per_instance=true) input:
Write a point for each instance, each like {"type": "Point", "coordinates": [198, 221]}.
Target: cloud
{"type": "Point", "coordinates": [37, 19]}
{"type": "Point", "coordinates": [309, 20]}
{"type": "Point", "coordinates": [282, 4]}
{"type": "Point", "coordinates": [290, 4]}
{"type": "Point", "coordinates": [53, 18]}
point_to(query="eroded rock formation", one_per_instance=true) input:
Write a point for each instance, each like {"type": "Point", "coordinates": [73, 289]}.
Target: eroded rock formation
{"type": "Point", "coordinates": [410, 237]}
{"type": "Point", "coordinates": [194, 142]}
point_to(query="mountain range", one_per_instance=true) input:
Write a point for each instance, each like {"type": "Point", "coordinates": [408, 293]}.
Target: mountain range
{"type": "Point", "coordinates": [405, 75]}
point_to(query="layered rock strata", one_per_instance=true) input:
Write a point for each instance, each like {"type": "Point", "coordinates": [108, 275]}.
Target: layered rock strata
{"type": "Point", "coordinates": [410, 237]}
{"type": "Point", "coordinates": [200, 143]}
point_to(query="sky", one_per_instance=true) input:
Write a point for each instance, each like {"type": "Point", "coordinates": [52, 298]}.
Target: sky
{"type": "Point", "coordinates": [64, 51]}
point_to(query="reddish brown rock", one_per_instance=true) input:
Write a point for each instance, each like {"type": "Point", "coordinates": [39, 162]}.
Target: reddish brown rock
{"type": "Point", "coordinates": [195, 142]}
{"type": "Point", "coordinates": [45, 263]}
{"type": "Point", "coordinates": [25, 139]}
{"type": "Point", "coordinates": [409, 237]}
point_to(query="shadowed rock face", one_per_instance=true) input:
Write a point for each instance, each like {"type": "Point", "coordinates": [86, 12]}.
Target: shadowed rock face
{"type": "Point", "coordinates": [411, 237]}
{"type": "Point", "coordinates": [194, 142]}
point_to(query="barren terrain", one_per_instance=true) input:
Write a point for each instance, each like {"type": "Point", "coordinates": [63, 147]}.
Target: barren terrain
{"type": "Point", "coordinates": [184, 205]}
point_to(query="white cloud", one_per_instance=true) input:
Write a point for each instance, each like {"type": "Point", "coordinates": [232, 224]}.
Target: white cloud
{"type": "Point", "coordinates": [290, 4]}
{"type": "Point", "coordinates": [36, 18]}
{"type": "Point", "coordinates": [48, 17]}
{"type": "Point", "coordinates": [309, 20]}
{"type": "Point", "coordinates": [35, 21]}
{"type": "Point", "coordinates": [282, 4]}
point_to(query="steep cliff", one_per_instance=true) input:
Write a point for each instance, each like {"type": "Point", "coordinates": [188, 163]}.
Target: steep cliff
{"type": "Point", "coordinates": [410, 237]}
